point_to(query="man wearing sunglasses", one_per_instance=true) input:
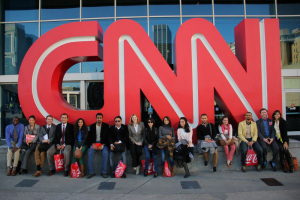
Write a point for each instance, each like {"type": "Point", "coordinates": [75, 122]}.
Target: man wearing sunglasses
{"type": "Point", "coordinates": [118, 136]}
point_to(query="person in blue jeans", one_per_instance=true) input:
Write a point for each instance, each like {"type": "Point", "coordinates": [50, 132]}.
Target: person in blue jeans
{"type": "Point", "coordinates": [98, 142]}
{"type": "Point", "coordinates": [167, 131]}
{"type": "Point", "coordinates": [150, 139]}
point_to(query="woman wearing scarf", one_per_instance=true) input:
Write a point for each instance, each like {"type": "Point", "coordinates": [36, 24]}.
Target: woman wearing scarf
{"type": "Point", "coordinates": [282, 140]}
{"type": "Point", "coordinates": [225, 130]}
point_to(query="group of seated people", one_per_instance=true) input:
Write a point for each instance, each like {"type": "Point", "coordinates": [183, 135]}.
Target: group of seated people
{"type": "Point", "coordinates": [66, 138]}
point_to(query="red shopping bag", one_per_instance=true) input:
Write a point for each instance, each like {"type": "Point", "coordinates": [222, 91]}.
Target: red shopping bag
{"type": "Point", "coordinates": [75, 170]}
{"type": "Point", "coordinates": [167, 170]}
{"type": "Point", "coordinates": [251, 158]}
{"type": "Point", "coordinates": [29, 138]}
{"type": "Point", "coordinates": [59, 162]}
{"type": "Point", "coordinates": [150, 166]}
{"type": "Point", "coordinates": [120, 169]}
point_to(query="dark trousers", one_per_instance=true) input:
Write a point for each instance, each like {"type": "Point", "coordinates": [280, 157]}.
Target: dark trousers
{"type": "Point", "coordinates": [283, 152]}
{"type": "Point", "coordinates": [274, 147]}
{"type": "Point", "coordinates": [136, 152]}
{"type": "Point", "coordinates": [257, 149]}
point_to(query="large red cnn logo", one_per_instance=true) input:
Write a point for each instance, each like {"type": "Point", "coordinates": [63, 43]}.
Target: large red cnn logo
{"type": "Point", "coordinates": [205, 69]}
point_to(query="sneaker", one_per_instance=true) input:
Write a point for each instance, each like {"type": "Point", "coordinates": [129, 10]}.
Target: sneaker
{"type": "Point", "coordinates": [215, 169]}
{"type": "Point", "coordinates": [272, 167]}
{"type": "Point", "coordinates": [90, 175]}
{"type": "Point", "coordinates": [137, 170]}
{"type": "Point", "coordinates": [123, 176]}
{"type": "Point", "coordinates": [112, 175]}
{"type": "Point", "coordinates": [205, 163]}
{"type": "Point", "coordinates": [263, 166]}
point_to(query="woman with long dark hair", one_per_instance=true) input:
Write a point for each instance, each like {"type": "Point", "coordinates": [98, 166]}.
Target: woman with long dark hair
{"type": "Point", "coordinates": [282, 140]}
{"type": "Point", "coordinates": [185, 133]}
{"type": "Point", "coordinates": [150, 141]}
{"type": "Point", "coordinates": [166, 131]}
{"type": "Point", "coordinates": [80, 136]}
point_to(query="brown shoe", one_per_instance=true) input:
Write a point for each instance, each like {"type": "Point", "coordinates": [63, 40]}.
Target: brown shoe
{"type": "Point", "coordinates": [82, 171]}
{"type": "Point", "coordinates": [51, 172]}
{"type": "Point", "coordinates": [244, 169]}
{"type": "Point", "coordinates": [14, 171]}
{"type": "Point", "coordinates": [8, 171]}
{"type": "Point", "coordinates": [258, 168]}
{"type": "Point", "coordinates": [172, 171]}
{"type": "Point", "coordinates": [228, 166]}
{"type": "Point", "coordinates": [37, 173]}
{"type": "Point", "coordinates": [163, 172]}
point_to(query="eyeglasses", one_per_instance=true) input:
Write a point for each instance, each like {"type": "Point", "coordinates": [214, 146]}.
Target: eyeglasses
{"type": "Point", "coordinates": [117, 121]}
{"type": "Point", "coordinates": [150, 122]}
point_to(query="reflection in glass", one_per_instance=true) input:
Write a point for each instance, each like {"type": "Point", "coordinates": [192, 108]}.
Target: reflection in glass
{"type": "Point", "coordinates": [92, 8]}
{"type": "Point", "coordinates": [47, 26]}
{"type": "Point", "coordinates": [260, 7]}
{"type": "Point", "coordinates": [225, 26]}
{"type": "Point", "coordinates": [292, 110]}
{"type": "Point", "coordinates": [196, 7]}
{"type": "Point", "coordinates": [96, 66]}
{"type": "Point", "coordinates": [95, 95]}
{"type": "Point", "coordinates": [71, 93]}
{"type": "Point", "coordinates": [162, 32]}
{"type": "Point", "coordinates": [58, 9]}
{"type": "Point", "coordinates": [229, 7]}
{"type": "Point", "coordinates": [290, 42]}
{"type": "Point", "coordinates": [10, 106]}
{"type": "Point", "coordinates": [131, 8]}
{"type": "Point", "coordinates": [288, 7]}
{"type": "Point", "coordinates": [141, 21]}
{"type": "Point", "coordinates": [20, 10]}
{"type": "Point", "coordinates": [17, 40]}
{"type": "Point", "coordinates": [207, 18]}
{"type": "Point", "coordinates": [159, 7]}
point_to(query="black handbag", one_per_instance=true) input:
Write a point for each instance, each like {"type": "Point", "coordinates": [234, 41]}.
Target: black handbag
{"type": "Point", "coordinates": [44, 147]}
{"type": "Point", "coordinates": [119, 147]}
{"type": "Point", "coordinates": [178, 153]}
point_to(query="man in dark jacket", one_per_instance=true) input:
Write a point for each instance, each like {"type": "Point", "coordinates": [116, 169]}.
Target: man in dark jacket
{"type": "Point", "coordinates": [266, 136]}
{"type": "Point", "coordinates": [206, 132]}
{"type": "Point", "coordinates": [98, 141]}
{"type": "Point", "coordinates": [63, 141]}
{"type": "Point", "coordinates": [118, 134]}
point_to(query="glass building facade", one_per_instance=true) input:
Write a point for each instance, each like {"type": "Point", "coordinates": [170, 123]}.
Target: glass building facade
{"type": "Point", "coordinates": [23, 22]}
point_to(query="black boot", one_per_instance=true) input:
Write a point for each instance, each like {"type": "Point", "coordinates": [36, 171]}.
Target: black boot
{"type": "Point", "coordinates": [186, 169]}
{"type": "Point", "coordinates": [290, 161]}
{"type": "Point", "coordinates": [146, 172]}
{"type": "Point", "coordinates": [19, 166]}
{"type": "Point", "coordinates": [283, 166]}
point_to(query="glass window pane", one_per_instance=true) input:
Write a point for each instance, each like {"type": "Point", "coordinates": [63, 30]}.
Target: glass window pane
{"type": "Point", "coordinates": [71, 90]}
{"type": "Point", "coordinates": [260, 7]}
{"type": "Point", "coordinates": [47, 26]}
{"type": "Point", "coordinates": [131, 8]}
{"type": "Point", "coordinates": [162, 32]}
{"type": "Point", "coordinates": [10, 106]}
{"type": "Point", "coordinates": [161, 7]}
{"type": "Point", "coordinates": [92, 8]}
{"type": "Point", "coordinates": [225, 26]}
{"type": "Point", "coordinates": [288, 7]}
{"type": "Point", "coordinates": [97, 66]}
{"type": "Point", "coordinates": [95, 95]}
{"type": "Point", "coordinates": [291, 83]}
{"type": "Point", "coordinates": [290, 42]}
{"type": "Point", "coordinates": [59, 9]}
{"type": "Point", "coordinates": [17, 40]}
{"type": "Point", "coordinates": [20, 10]}
{"type": "Point", "coordinates": [229, 7]}
{"type": "Point", "coordinates": [196, 7]}
{"type": "Point", "coordinates": [292, 110]}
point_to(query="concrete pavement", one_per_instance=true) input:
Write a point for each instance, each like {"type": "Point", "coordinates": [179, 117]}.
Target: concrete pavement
{"type": "Point", "coordinates": [222, 185]}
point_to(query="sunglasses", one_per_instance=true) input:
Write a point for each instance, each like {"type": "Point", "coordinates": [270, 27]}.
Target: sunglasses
{"type": "Point", "coordinates": [117, 121]}
{"type": "Point", "coordinates": [150, 122]}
